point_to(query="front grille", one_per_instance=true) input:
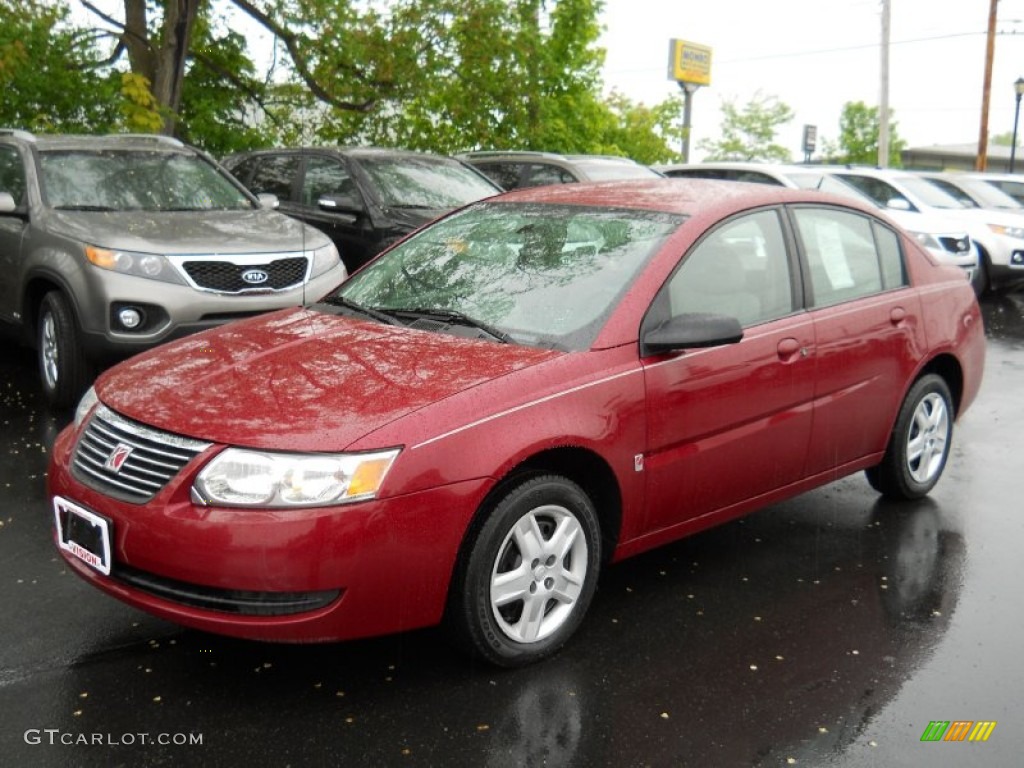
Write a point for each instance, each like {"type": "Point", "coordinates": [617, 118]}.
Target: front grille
{"type": "Point", "coordinates": [956, 244]}
{"type": "Point", "coordinates": [127, 460]}
{"type": "Point", "coordinates": [225, 277]}
{"type": "Point", "coordinates": [240, 602]}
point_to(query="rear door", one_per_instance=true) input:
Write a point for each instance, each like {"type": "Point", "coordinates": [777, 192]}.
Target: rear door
{"type": "Point", "coordinates": [12, 231]}
{"type": "Point", "coordinates": [866, 324]}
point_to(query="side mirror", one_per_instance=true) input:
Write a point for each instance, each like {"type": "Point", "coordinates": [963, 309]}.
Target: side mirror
{"type": "Point", "coordinates": [7, 204]}
{"type": "Point", "coordinates": [899, 204]}
{"type": "Point", "coordinates": [341, 204]}
{"type": "Point", "coordinates": [692, 331]}
{"type": "Point", "coordinates": [268, 200]}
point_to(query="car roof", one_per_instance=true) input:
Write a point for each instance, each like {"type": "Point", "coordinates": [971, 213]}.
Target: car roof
{"type": "Point", "coordinates": [682, 196]}
{"type": "Point", "coordinates": [149, 141]}
{"type": "Point", "coordinates": [354, 151]}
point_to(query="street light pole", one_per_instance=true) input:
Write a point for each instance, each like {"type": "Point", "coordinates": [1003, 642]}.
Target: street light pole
{"type": "Point", "coordinates": [1018, 89]}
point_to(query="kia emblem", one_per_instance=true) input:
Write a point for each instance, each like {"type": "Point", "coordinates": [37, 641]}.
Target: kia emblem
{"type": "Point", "coordinates": [115, 461]}
{"type": "Point", "coordinates": [255, 276]}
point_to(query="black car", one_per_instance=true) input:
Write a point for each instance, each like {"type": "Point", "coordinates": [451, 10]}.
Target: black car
{"type": "Point", "coordinates": [364, 198]}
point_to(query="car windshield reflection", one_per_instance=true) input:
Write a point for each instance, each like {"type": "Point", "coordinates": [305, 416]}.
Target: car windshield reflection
{"type": "Point", "coordinates": [537, 274]}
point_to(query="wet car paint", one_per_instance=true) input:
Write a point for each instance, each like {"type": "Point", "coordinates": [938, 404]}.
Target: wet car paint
{"type": "Point", "coordinates": [827, 630]}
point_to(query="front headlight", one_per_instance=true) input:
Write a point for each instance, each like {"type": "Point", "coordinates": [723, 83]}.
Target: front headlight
{"type": "Point", "coordinates": [240, 477]}
{"type": "Point", "coordinates": [151, 266]}
{"type": "Point", "coordinates": [999, 229]}
{"type": "Point", "coordinates": [324, 259]}
{"type": "Point", "coordinates": [928, 241]}
{"type": "Point", "coordinates": [85, 405]}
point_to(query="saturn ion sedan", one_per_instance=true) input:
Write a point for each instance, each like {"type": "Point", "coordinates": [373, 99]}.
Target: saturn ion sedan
{"type": "Point", "coordinates": [534, 386]}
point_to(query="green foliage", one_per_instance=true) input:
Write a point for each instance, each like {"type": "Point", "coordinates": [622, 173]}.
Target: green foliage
{"type": "Point", "coordinates": [435, 75]}
{"type": "Point", "coordinates": [45, 74]}
{"type": "Point", "coordinates": [858, 137]}
{"type": "Point", "coordinates": [748, 133]}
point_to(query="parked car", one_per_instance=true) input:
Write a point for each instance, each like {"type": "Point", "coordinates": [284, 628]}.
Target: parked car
{"type": "Point", "coordinates": [972, 192]}
{"type": "Point", "coordinates": [947, 244]}
{"type": "Point", "coordinates": [1010, 183]}
{"type": "Point", "coordinates": [517, 169]}
{"type": "Point", "coordinates": [111, 245]}
{"type": "Point", "coordinates": [996, 234]}
{"type": "Point", "coordinates": [364, 198]}
{"type": "Point", "coordinates": [529, 388]}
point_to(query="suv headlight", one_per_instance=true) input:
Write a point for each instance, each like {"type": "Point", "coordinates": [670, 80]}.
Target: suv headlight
{"type": "Point", "coordinates": [325, 258]}
{"type": "Point", "coordinates": [149, 265]}
{"type": "Point", "coordinates": [1017, 232]}
{"type": "Point", "coordinates": [928, 241]}
{"type": "Point", "coordinates": [239, 477]}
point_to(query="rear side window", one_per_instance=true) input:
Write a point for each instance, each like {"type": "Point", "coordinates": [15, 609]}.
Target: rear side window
{"type": "Point", "coordinates": [541, 174]}
{"type": "Point", "coordinates": [848, 256]}
{"type": "Point", "coordinates": [275, 175]}
{"type": "Point", "coordinates": [505, 175]}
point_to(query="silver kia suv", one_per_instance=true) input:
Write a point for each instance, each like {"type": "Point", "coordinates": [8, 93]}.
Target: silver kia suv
{"type": "Point", "coordinates": [110, 245]}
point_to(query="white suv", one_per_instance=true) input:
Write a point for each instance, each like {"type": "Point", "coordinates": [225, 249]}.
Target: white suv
{"type": "Point", "coordinates": [947, 242]}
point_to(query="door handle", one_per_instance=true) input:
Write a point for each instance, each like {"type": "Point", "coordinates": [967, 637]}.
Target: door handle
{"type": "Point", "coordinates": [789, 348]}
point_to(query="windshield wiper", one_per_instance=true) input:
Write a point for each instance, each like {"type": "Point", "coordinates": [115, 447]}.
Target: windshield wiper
{"type": "Point", "coordinates": [456, 317]}
{"type": "Point", "coordinates": [101, 208]}
{"type": "Point", "coordinates": [376, 314]}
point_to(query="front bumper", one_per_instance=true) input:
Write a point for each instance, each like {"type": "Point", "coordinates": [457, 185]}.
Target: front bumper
{"type": "Point", "coordinates": [301, 575]}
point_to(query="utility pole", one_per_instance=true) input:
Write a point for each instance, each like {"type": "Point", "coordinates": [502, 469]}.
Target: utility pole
{"type": "Point", "coordinates": [981, 163]}
{"type": "Point", "coordinates": [883, 101]}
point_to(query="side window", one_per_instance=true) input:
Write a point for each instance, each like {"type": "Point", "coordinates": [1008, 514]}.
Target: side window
{"type": "Point", "coordinates": [326, 176]}
{"type": "Point", "coordinates": [12, 174]}
{"type": "Point", "coordinates": [741, 269]}
{"type": "Point", "coordinates": [878, 190]}
{"type": "Point", "coordinates": [541, 174]}
{"type": "Point", "coordinates": [505, 175]}
{"type": "Point", "coordinates": [890, 254]}
{"type": "Point", "coordinates": [243, 171]}
{"type": "Point", "coordinates": [275, 174]}
{"type": "Point", "coordinates": [844, 260]}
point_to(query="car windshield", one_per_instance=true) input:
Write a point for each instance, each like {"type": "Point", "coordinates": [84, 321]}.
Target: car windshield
{"type": "Point", "coordinates": [610, 170]}
{"type": "Point", "coordinates": [987, 195]}
{"type": "Point", "coordinates": [135, 180]}
{"type": "Point", "coordinates": [545, 275]}
{"type": "Point", "coordinates": [930, 194]}
{"type": "Point", "coordinates": [411, 182]}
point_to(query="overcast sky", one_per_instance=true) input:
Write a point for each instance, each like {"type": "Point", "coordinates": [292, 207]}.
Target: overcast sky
{"type": "Point", "coordinates": [816, 55]}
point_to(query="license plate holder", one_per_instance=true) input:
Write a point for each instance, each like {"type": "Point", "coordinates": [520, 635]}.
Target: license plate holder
{"type": "Point", "coordinates": [83, 534]}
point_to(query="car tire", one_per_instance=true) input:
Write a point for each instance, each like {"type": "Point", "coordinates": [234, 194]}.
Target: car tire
{"type": "Point", "coordinates": [529, 572]}
{"type": "Point", "coordinates": [63, 366]}
{"type": "Point", "coordinates": [919, 444]}
{"type": "Point", "coordinates": [980, 281]}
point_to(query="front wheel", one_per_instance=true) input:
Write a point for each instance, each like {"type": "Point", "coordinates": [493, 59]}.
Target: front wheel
{"type": "Point", "coordinates": [63, 366]}
{"type": "Point", "coordinates": [920, 442]}
{"type": "Point", "coordinates": [529, 573]}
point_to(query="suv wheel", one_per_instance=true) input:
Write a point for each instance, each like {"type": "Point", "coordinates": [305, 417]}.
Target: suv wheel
{"type": "Point", "coordinates": [62, 363]}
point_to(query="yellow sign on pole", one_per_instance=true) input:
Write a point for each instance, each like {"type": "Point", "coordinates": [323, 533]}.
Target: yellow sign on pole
{"type": "Point", "coordinates": [689, 62]}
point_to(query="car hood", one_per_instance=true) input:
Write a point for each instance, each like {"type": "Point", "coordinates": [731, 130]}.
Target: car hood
{"type": "Point", "coordinates": [301, 380]}
{"type": "Point", "coordinates": [188, 232]}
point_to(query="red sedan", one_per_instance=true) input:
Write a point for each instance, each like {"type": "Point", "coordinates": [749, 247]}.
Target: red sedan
{"type": "Point", "coordinates": [534, 386]}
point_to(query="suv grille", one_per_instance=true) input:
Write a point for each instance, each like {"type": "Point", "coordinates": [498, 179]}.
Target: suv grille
{"type": "Point", "coordinates": [225, 277]}
{"type": "Point", "coordinates": [128, 460]}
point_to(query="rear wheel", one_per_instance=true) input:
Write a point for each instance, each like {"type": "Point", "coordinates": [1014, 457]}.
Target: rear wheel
{"type": "Point", "coordinates": [63, 366]}
{"type": "Point", "coordinates": [529, 574]}
{"type": "Point", "coordinates": [920, 442]}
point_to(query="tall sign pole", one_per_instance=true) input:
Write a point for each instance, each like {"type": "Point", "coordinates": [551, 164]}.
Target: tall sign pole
{"type": "Point", "coordinates": [689, 64]}
{"type": "Point", "coordinates": [883, 102]}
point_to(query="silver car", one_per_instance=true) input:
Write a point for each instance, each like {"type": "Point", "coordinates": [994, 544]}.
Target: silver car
{"type": "Point", "coordinates": [112, 245]}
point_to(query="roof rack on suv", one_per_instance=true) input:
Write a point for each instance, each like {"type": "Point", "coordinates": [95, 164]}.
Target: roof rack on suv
{"type": "Point", "coordinates": [154, 137]}
{"type": "Point", "coordinates": [18, 134]}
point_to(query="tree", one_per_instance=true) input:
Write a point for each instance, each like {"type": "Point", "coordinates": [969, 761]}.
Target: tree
{"type": "Point", "coordinates": [748, 133]}
{"type": "Point", "coordinates": [45, 73]}
{"type": "Point", "coordinates": [858, 137]}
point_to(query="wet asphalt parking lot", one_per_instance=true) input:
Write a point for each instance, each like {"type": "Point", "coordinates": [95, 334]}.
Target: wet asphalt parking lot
{"type": "Point", "coordinates": [829, 630]}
